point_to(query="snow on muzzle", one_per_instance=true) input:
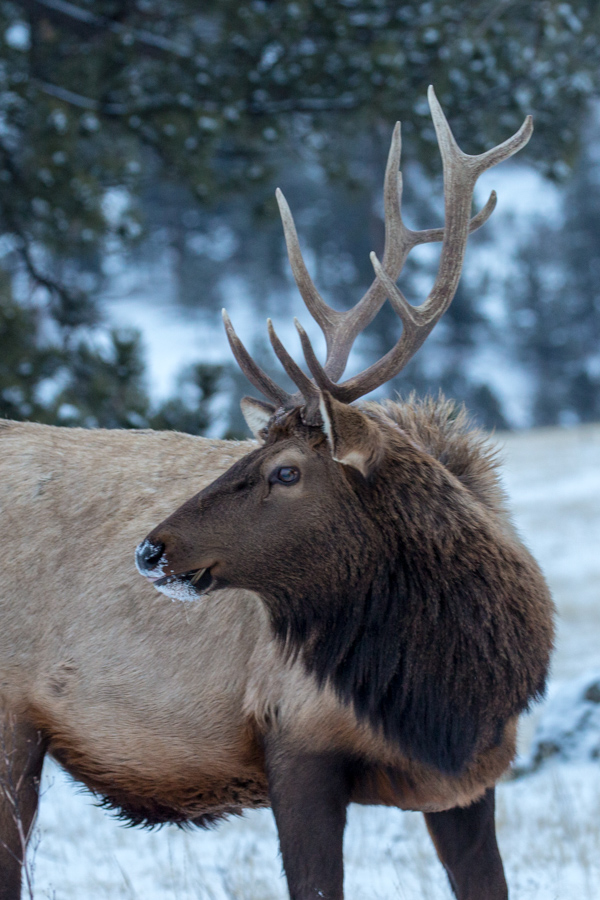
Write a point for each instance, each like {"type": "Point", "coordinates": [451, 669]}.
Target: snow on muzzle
{"type": "Point", "coordinates": [151, 562]}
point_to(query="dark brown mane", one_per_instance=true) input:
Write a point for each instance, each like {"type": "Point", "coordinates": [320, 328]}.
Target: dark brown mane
{"type": "Point", "coordinates": [427, 635]}
{"type": "Point", "coordinates": [446, 431]}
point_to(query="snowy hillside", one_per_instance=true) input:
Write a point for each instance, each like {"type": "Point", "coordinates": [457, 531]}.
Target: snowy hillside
{"type": "Point", "coordinates": [548, 822]}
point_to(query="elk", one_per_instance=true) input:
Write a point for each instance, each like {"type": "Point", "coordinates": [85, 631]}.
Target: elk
{"type": "Point", "coordinates": [365, 625]}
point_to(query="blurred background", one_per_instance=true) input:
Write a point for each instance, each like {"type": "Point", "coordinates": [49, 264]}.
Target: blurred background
{"type": "Point", "coordinates": [141, 142]}
{"type": "Point", "coordinates": [140, 146]}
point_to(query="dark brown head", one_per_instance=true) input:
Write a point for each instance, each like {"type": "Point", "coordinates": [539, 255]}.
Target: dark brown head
{"type": "Point", "coordinates": [281, 517]}
{"type": "Point", "coordinates": [393, 580]}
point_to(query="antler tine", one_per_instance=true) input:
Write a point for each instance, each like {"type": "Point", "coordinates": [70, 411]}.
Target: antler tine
{"type": "Point", "coordinates": [253, 372]}
{"type": "Point", "coordinates": [323, 314]}
{"type": "Point", "coordinates": [317, 371]}
{"type": "Point", "coordinates": [460, 174]}
{"type": "Point", "coordinates": [307, 387]}
{"type": "Point", "coordinates": [398, 242]}
{"type": "Point", "coordinates": [410, 315]}
{"type": "Point", "coordinates": [474, 165]}
{"type": "Point", "coordinates": [341, 328]}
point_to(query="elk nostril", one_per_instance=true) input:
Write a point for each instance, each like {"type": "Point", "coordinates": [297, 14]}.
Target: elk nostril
{"type": "Point", "coordinates": [147, 555]}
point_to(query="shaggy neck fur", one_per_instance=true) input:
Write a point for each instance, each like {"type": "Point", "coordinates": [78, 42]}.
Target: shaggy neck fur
{"type": "Point", "coordinates": [439, 630]}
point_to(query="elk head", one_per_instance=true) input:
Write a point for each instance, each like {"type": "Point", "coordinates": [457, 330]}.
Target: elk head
{"type": "Point", "coordinates": [351, 533]}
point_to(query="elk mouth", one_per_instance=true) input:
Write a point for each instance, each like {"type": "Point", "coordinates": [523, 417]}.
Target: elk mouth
{"type": "Point", "coordinates": [185, 586]}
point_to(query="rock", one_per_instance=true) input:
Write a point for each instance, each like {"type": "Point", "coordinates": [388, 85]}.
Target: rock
{"type": "Point", "coordinates": [569, 728]}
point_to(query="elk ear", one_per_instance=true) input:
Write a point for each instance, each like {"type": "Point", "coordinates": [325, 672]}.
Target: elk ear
{"type": "Point", "coordinates": [355, 440]}
{"type": "Point", "coordinates": [257, 414]}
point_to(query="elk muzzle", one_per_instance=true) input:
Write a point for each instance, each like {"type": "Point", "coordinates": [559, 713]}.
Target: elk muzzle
{"type": "Point", "coordinates": [152, 562]}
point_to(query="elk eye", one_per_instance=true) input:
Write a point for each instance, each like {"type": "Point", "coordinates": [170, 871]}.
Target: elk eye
{"type": "Point", "coordinates": [285, 475]}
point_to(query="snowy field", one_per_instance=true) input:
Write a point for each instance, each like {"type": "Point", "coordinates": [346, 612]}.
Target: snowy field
{"type": "Point", "coordinates": [548, 822]}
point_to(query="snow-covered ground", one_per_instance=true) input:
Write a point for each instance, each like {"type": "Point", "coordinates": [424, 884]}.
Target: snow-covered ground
{"type": "Point", "coordinates": [548, 822]}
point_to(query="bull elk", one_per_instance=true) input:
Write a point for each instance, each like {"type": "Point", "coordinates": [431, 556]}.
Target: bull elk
{"type": "Point", "coordinates": [366, 625]}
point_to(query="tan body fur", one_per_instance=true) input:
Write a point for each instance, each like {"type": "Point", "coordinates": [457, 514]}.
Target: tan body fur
{"type": "Point", "coordinates": [160, 706]}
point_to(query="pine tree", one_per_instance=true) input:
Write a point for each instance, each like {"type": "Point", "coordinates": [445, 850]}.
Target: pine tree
{"type": "Point", "coordinates": [556, 304]}
{"type": "Point", "coordinates": [106, 106]}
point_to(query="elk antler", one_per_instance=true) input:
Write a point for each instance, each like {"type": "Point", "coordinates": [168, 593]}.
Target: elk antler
{"type": "Point", "coordinates": [342, 328]}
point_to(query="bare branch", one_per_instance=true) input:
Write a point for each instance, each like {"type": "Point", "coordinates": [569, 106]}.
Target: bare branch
{"type": "Point", "coordinates": [84, 22]}
{"type": "Point", "coordinates": [82, 102]}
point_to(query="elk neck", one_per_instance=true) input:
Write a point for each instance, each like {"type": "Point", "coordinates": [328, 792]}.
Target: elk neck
{"type": "Point", "coordinates": [416, 627]}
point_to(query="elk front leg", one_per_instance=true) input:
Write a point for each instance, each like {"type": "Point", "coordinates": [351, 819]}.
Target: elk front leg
{"type": "Point", "coordinates": [21, 759]}
{"type": "Point", "coordinates": [465, 840]}
{"type": "Point", "coordinates": [309, 795]}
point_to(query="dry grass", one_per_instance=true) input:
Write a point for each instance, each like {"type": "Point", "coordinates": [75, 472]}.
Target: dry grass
{"type": "Point", "coordinates": [549, 830]}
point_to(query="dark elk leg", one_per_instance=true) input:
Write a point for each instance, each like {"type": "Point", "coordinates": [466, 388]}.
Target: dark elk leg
{"type": "Point", "coordinates": [21, 758]}
{"type": "Point", "coordinates": [309, 795]}
{"type": "Point", "coordinates": [465, 840]}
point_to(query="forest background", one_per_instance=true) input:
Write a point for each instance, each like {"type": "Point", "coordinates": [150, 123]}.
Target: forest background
{"type": "Point", "coordinates": [140, 146]}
